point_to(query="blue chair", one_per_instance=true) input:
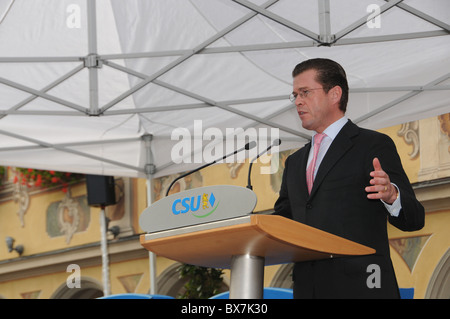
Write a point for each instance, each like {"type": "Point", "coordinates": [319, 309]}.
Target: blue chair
{"type": "Point", "coordinates": [268, 293]}
{"type": "Point", "coordinates": [406, 293]}
{"type": "Point", "coordinates": [136, 296]}
{"type": "Point", "coordinates": [281, 293]}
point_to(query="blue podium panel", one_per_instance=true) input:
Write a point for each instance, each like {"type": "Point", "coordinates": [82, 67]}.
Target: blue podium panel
{"type": "Point", "coordinates": [407, 293]}
{"type": "Point", "coordinates": [269, 293]}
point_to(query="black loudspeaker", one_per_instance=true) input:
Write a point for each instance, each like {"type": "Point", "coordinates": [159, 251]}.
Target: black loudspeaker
{"type": "Point", "coordinates": [100, 190]}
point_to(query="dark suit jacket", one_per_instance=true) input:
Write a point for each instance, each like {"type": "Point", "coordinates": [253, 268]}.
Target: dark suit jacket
{"type": "Point", "coordinates": [338, 204]}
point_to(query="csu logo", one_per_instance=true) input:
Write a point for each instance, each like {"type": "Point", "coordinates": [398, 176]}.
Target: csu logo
{"type": "Point", "coordinates": [200, 206]}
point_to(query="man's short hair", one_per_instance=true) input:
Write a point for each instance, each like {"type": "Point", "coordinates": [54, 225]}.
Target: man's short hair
{"type": "Point", "coordinates": [329, 75]}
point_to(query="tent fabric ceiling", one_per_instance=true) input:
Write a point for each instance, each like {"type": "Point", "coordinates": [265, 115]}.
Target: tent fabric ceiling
{"type": "Point", "coordinates": [82, 81]}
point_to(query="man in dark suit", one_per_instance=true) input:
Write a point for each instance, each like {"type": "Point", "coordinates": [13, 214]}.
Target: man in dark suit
{"type": "Point", "coordinates": [357, 185]}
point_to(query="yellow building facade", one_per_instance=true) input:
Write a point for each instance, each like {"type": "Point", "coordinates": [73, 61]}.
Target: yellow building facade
{"type": "Point", "coordinates": [60, 233]}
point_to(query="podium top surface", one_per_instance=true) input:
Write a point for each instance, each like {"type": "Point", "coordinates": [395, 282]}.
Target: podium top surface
{"type": "Point", "coordinates": [277, 239]}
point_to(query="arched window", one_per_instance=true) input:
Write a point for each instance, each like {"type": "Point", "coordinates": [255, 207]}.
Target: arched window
{"type": "Point", "coordinates": [439, 285]}
{"type": "Point", "coordinates": [283, 277]}
{"type": "Point", "coordinates": [89, 289]}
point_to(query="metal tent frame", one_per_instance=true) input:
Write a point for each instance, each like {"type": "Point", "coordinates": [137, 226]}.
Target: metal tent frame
{"type": "Point", "coordinates": [92, 61]}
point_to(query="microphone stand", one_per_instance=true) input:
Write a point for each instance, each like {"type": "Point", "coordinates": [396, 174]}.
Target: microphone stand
{"type": "Point", "coordinates": [247, 146]}
{"type": "Point", "coordinates": [249, 183]}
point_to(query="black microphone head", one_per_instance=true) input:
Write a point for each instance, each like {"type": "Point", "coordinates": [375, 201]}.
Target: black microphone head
{"type": "Point", "coordinates": [276, 142]}
{"type": "Point", "coordinates": [250, 145]}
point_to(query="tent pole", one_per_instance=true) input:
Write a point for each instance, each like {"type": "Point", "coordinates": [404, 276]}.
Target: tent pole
{"type": "Point", "coordinates": [424, 16]}
{"type": "Point", "coordinates": [150, 170]}
{"type": "Point", "coordinates": [363, 20]}
{"type": "Point", "coordinates": [401, 99]}
{"type": "Point", "coordinates": [151, 255]}
{"type": "Point", "coordinates": [45, 89]}
{"type": "Point", "coordinates": [272, 16]}
{"type": "Point", "coordinates": [183, 58]}
{"type": "Point", "coordinates": [91, 61]}
{"type": "Point", "coordinates": [42, 94]}
{"type": "Point", "coordinates": [105, 258]}
{"type": "Point", "coordinates": [211, 102]}
{"type": "Point", "coordinates": [68, 150]}
{"type": "Point", "coordinates": [324, 21]}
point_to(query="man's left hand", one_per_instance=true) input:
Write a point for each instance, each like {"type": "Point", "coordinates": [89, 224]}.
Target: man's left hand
{"type": "Point", "coordinates": [381, 185]}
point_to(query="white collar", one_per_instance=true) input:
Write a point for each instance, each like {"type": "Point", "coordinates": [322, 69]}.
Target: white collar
{"type": "Point", "coordinates": [334, 129]}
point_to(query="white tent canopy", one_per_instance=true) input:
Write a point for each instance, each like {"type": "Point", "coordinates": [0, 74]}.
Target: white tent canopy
{"type": "Point", "coordinates": [83, 82]}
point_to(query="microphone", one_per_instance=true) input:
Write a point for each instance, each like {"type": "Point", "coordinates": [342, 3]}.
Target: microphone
{"type": "Point", "coordinates": [274, 143]}
{"type": "Point", "coordinates": [247, 146]}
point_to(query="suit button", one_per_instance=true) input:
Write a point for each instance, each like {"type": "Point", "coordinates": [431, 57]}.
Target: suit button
{"type": "Point", "coordinates": [308, 206]}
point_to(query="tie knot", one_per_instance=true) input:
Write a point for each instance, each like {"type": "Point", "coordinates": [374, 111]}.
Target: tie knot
{"type": "Point", "coordinates": [318, 138]}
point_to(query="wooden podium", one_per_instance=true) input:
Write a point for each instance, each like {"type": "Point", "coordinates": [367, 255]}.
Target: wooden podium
{"type": "Point", "coordinates": [246, 244]}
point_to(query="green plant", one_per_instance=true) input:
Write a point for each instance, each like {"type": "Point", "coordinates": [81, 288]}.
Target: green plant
{"type": "Point", "coordinates": [2, 174]}
{"type": "Point", "coordinates": [203, 282]}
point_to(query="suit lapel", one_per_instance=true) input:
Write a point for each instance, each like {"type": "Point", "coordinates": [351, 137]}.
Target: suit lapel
{"type": "Point", "coordinates": [340, 145]}
{"type": "Point", "coordinates": [302, 168]}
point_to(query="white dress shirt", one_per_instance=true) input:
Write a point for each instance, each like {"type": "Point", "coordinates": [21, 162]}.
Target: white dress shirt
{"type": "Point", "coordinates": [331, 133]}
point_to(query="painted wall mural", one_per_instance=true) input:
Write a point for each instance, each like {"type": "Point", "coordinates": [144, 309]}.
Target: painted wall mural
{"type": "Point", "coordinates": [67, 217]}
{"type": "Point", "coordinates": [409, 248]}
{"type": "Point", "coordinates": [130, 282]}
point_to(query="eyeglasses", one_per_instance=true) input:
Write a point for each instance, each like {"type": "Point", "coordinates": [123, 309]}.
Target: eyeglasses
{"type": "Point", "coordinates": [303, 93]}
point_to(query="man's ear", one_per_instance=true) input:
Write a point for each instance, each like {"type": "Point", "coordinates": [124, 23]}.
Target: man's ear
{"type": "Point", "coordinates": [335, 94]}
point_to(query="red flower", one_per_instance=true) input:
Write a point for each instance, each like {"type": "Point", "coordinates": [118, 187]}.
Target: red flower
{"type": "Point", "coordinates": [38, 180]}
